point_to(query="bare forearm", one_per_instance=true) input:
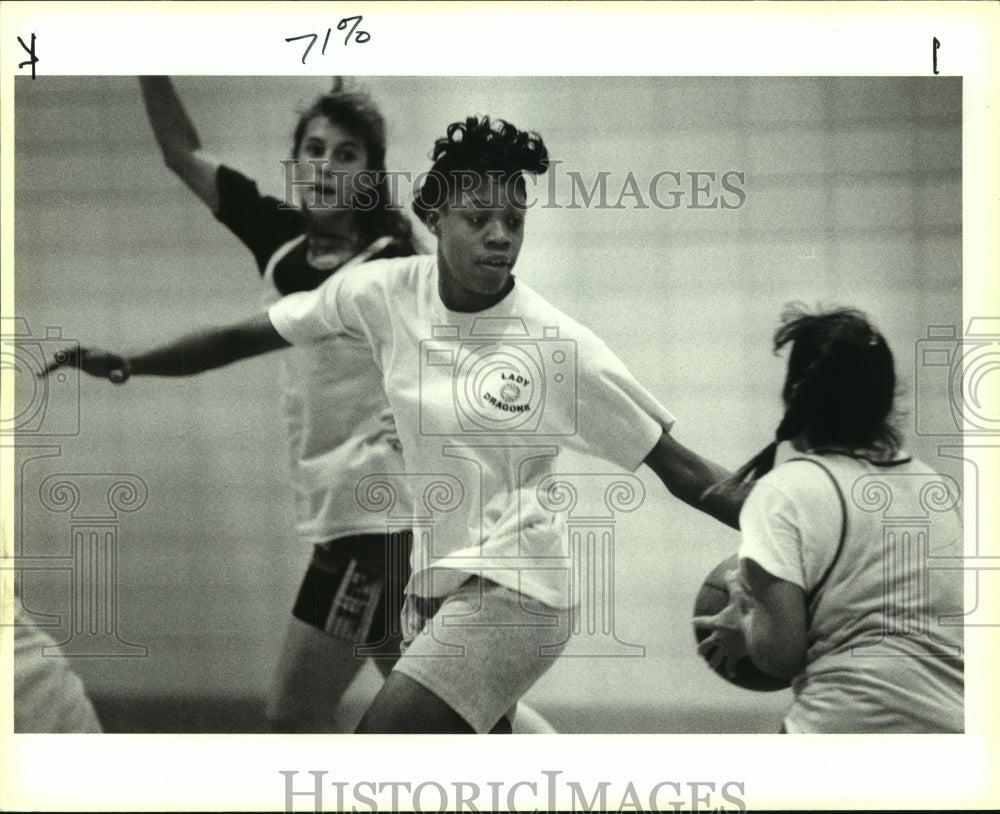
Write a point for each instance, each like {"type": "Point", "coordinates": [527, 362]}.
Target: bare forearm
{"type": "Point", "coordinates": [179, 141]}
{"type": "Point", "coordinates": [774, 621]}
{"type": "Point", "coordinates": [186, 356]}
{"type": "Point", "coordinates": [207, 350]}
{"type": "Point", "coordinates": [174, 130]}
{"type": "Point", "coordinates": [697, 481]}
{"type": "Point", "coordinates": [768, 647]}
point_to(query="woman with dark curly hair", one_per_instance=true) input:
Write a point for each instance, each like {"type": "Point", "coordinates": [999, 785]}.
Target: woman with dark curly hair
{"type": "Point", "coordinates": [861, 609]}
{"type": "Point", "coordinates": [487, 382]}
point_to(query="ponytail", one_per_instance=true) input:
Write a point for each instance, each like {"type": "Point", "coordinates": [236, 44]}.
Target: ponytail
{"type": "Point", "coordinates": [839, 388]}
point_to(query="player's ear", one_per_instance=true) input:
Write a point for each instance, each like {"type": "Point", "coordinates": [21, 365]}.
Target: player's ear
{"type": "Point", "coordinates": [433, 222]}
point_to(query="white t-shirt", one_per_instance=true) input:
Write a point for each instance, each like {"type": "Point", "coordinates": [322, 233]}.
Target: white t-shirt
{"type": "Point", "coordinates": [48, 695]}
{"type": "Point", "coordinates": [339, 424]}
{"type": "Point", "coordinates": [485, 401]}
{"type": "Point", "coordinates": [885, 636]}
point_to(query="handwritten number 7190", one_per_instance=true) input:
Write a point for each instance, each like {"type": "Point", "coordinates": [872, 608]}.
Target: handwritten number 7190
{"type": "Point", "coordinates": [360, 37]}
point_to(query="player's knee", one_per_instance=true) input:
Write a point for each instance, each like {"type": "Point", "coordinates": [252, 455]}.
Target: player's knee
{"type": "Point", "coordinates": [284, 720]}
{"type": "Point", "coordinates": [384, 654]}
{"type": "Point", "coordinates": [282, 724]}
{"type": "Point", "coordinates": [384, 664]}
{"type": "Point", "coordinates": [402, 706]}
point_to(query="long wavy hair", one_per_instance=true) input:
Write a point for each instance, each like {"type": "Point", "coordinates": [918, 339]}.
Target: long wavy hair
{"type": "Point", "coordinates": [356, 112]}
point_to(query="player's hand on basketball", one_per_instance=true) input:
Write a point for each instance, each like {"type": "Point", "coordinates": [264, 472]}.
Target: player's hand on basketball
{"type": "Point", "coordinates": [724, 648]}
{"type": "Point", "coordinates": [103, 364]}
{"type": "Point", "coordinates": [726, 645]}
{"type": "Point", "coordinates": [739, 595]}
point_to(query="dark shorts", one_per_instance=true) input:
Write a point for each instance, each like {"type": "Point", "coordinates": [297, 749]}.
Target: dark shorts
{"type": "Point", "coordinates": [353, 588]}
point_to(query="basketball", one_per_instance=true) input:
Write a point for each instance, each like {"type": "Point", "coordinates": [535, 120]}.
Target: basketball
{"type": "Point", "coordinates": [712, 597]}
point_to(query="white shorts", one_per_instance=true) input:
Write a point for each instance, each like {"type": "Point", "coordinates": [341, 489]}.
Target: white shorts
{"type": "Point", "coordinates": [480, 648]}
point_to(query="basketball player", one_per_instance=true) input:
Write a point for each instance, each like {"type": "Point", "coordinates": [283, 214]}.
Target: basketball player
{"type": "Point", "coordinates": [338, 422]}
{"type": "Point", "coordinates": [488, 594]}
{"type": "Point", "coordinates": [864, 618]}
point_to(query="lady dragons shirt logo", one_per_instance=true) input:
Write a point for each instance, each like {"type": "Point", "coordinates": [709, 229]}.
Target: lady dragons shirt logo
{"type": "Point", "coordinates": [499, 386]}
{"type": "Point", "coordinates": [501, 379]}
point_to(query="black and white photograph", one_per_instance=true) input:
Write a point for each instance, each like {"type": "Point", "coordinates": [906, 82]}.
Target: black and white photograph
{"type": "Point", "coordinates": [648, 411]}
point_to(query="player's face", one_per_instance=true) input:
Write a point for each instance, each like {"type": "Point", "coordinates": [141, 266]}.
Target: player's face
{"type": "Point", "coordinates": [479, 234]}
{"type": "Point", "coordinates": [342, 154]}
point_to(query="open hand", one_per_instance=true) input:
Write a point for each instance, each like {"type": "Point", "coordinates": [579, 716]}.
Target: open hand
{"type": "Point", "coordinates": [726, 645]}
{"type": "Point", "coordinates": [101, 363]}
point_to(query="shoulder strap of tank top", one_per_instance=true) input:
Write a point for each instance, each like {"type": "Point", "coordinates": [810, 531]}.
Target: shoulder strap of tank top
{"type": "Point", "coordinates": [280, 253]}
{"type": "Point", "coordinates": [812, 596]}
{"type": "Point", "coordinates": [365, 254]}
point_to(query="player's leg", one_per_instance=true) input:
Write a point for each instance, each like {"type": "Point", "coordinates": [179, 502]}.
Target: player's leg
{"type": "Point", "coordinates": [476, 653]}
{"type": "Point", "coordinates": [385, 636]}
{"type": "Point", "coordinates": [528, 721]}
{"type": "Point", "coordinates": [313, 673]}
{"type": "Point", "coordinates": [405, 706]}
{"type": "Point", "coordinates": [340, 594]}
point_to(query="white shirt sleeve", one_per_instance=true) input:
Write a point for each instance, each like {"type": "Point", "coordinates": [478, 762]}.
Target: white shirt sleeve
{"type": "Point", "coordinates": [769, 528]}
{"type": "Point", "coordinates": [791, 522]}
{"type": "Point", "coordinates": [619, 420]}
{"type": "Point", "coordinates": [330, 310]}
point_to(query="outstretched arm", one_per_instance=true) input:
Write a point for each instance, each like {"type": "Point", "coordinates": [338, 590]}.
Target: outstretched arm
{"type": "Point", "coordinates": [191, 354]}
{"type": "Point", "coordinates": [697, 481]}
{"type": "Point", "coordinates": [178, 139]}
